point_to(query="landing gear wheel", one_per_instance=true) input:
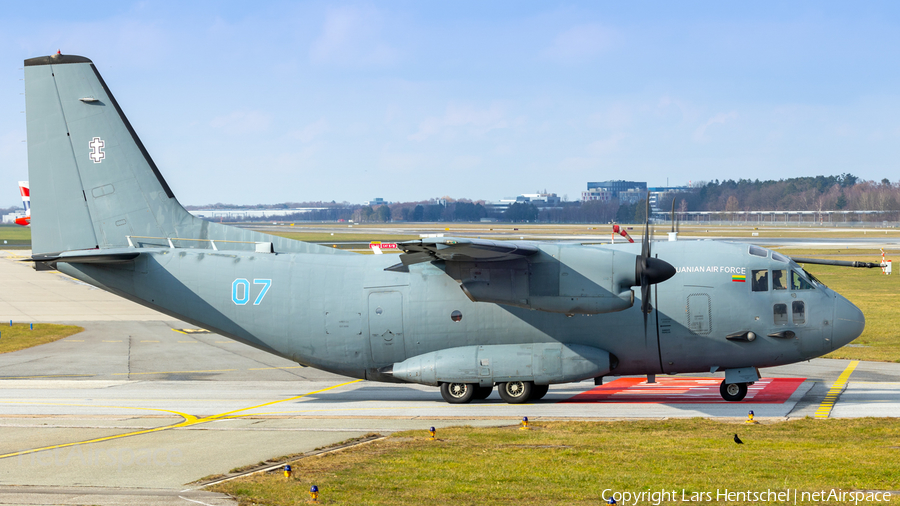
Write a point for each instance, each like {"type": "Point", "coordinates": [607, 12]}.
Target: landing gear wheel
{"type": "Point", "coordinates": [539, 391]}
{"type": "Point", "coordinates": [515, 392]}
{"type": "Point", "coordinates": [482, 393]}
{"type": "Point", "coordinates": [457, 393]}
{"type": "Point", "coordinates": [733, 392]}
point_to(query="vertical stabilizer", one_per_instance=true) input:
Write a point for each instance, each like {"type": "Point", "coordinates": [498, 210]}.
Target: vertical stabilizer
{"type": "Point", "coordinates": [92, 180]}
{"type": "Point", "coordinates": [93, 183]}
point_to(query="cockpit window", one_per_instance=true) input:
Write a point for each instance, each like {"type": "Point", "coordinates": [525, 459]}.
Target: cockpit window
{"type": "Point", "coordinates": [760, 280]}
{"type": "Point", "coordinates": [779, 279]}
{"type": "Point", "coordinates": [780, 258]}
{"type": "Point", "coordinates": [757, 251]}
{"type": "Point", "coordinates": [798, 282]}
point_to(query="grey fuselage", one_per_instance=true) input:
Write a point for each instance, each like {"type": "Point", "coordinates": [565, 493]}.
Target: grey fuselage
{"type": "Point", "coordinates": [344, 313]}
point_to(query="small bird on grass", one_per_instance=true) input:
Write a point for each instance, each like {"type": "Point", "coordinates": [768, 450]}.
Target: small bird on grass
{"type": "Point", "coordinates": [738, 440]}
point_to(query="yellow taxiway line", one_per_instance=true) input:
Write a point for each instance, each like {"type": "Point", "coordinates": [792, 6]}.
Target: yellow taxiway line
{"type": "Point", "coordinates": [188, 421]}
{"type": "Point", "coordinates": [824, 410]}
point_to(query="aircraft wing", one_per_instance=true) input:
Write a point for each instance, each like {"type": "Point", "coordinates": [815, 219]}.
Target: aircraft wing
{"type": "Point", "coordinates": [460, 249]}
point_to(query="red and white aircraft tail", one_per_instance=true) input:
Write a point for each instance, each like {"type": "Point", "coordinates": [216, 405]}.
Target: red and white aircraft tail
{"type": "Point", "coordinates": [26, 201]}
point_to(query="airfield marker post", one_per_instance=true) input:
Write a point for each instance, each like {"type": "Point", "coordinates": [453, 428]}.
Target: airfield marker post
{"type": "Point", "coordinates": [314, 493]}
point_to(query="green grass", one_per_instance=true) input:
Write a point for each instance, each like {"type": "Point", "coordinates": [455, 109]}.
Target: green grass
{"type": "Point", "coordinates": [19, 336]}
{"type": "Point", "coordinates": [574, 462]}
{"type": "Point", "coordinates": [15, 237]}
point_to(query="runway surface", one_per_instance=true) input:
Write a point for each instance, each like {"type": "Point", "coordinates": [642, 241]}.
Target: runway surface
{"type": "Point", "coordinates": [137, 406]}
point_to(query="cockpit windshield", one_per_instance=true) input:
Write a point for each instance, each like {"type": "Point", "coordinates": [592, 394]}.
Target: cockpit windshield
{"type": "Point", "coordinates": [816, 281]}
{"type": "Point", "coordinates": [799, 281]}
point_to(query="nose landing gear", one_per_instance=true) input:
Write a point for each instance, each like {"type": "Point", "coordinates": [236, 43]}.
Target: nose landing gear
{"type": "Point", "coordinates": [733, 392]}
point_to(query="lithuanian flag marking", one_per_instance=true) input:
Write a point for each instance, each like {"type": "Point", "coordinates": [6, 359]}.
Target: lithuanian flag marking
{"type": "Point", "coordinates": [739, 278]}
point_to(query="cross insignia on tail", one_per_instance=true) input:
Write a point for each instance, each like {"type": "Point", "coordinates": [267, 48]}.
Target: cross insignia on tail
{"type": "Point", "coordinates": [96, 145]}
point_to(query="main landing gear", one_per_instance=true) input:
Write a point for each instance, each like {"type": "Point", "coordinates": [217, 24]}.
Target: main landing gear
{"type": "Point", "coordinates": [733, 391]}
{"type": "Point", "coordinates": [513, 392]}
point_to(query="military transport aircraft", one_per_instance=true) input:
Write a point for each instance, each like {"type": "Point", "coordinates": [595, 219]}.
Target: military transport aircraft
{"type": "Point", "coordinates": [462, 314]}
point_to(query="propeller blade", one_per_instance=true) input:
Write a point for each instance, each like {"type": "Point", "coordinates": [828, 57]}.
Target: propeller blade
{"type": "Point", "coordinates": [645, 247]}
{"type": "Point", "coordinates": [673, 214]}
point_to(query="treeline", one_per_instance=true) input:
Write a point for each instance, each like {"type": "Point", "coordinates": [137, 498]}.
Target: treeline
{"type": "Point", "coordinates": [819, 193]}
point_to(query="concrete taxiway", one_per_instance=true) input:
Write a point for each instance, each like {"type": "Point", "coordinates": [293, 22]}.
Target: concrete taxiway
{"type": "Point", "coordinates": [137, 406]}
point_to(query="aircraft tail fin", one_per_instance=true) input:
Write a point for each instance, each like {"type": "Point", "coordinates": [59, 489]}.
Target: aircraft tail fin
{"type": "Point", "coordinates": [26, 197]}
{"type": "Point", "coordinates": [94, 184]}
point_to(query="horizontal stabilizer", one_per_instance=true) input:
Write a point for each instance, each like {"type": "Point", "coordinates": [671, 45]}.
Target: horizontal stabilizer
{"type": "Point", "coordinates": [109, 256]}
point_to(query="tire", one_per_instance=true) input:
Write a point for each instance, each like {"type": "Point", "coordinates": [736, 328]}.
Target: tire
{"type": "Point", "coordinates": [482, 393]}
{"type": "Point", "coordinates": [733, 392]}
{"type": "Point", "coordinates": [457, 393]}
{"type": "Point", "coordinates": [539, 391]}
{"type": "Point", "coordinates": [515, 392]}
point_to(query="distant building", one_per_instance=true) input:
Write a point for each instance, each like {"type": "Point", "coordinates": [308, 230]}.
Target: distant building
{"type": "Point", "coordinates": [245, 214]}
{"type": "Point", "coordinates": [11, 217]}
{"type": "Point", "coordinates": [378, 201]}
{"type": "Point", "coordinates": [538, 199]}
{"type": "Point", "coordinates": [632, 196]}
{"type": "Point", "coordinates": [627, 192]}
{"type": "Point", "coordinates": [599, 194]}
{"type": "Point", "coordinates": [658, 194]}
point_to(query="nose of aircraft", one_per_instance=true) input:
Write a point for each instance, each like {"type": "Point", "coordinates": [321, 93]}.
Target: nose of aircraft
{"type": "Point", "coordinates": [849, 322]}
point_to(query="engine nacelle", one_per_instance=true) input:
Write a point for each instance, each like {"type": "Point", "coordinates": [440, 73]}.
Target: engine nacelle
{"type": "Point", "coordinates": [570, 279]}
{"type": "Point", "coordinates": [542, 363]}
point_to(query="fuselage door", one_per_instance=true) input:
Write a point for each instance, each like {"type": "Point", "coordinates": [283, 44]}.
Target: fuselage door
{"type": "Point", "coordinates": [699, 309]}
{"type": "Point", "coordinates": [386, 328]}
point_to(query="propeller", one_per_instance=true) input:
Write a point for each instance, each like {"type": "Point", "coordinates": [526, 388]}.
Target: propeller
{"type": "Point", "coordinates": [673, 214]}
{"type": "Point", "coordinates": [648, 270]}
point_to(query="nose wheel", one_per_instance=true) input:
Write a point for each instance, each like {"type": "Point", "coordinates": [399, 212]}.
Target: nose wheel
{"type": "Point", "coordinates": [733, 392]}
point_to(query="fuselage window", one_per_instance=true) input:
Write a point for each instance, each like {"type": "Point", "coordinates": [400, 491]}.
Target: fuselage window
{"type": "Point", "coordinates": [779, 257]}
{"type": "Point", "coordinates": [781, 317]}
{"type": "Point", "coordinates": [760, 280]}
{"type": "Point", "coordinates": [799, 310]}
{"type": "Point", "coordinates": [779, 279]}
{"type": "Point", "coordinates": [798, 282]}
{"type": "Point", "coordinates": [759, 252]}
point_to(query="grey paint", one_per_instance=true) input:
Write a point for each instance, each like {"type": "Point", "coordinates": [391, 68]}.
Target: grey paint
{"type": "Point", "coordinates": [322, 306]}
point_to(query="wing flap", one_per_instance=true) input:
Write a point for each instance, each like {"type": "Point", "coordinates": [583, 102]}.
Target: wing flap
{"type": "Point", "coordinates": [461, 250]}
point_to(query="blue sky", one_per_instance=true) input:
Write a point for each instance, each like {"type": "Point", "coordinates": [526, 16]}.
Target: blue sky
{"type": "Point", "coordinates": [346, 101]}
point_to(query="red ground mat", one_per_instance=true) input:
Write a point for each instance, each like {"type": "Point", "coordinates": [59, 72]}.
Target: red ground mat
{"type": "Point", "coordinates": [675, 390]}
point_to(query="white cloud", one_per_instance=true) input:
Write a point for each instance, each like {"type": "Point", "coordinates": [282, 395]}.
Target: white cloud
{"type": "Point", "coordinates": [718, 119]}
{"type": "Point", "coordinates": [579, 43]}
{"type": "Point", "coordinates": [352, 37]}
{"type": "Point", "coordinates": [242, 122]}
{"type": "Point", "coordinates": [475, 121]}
